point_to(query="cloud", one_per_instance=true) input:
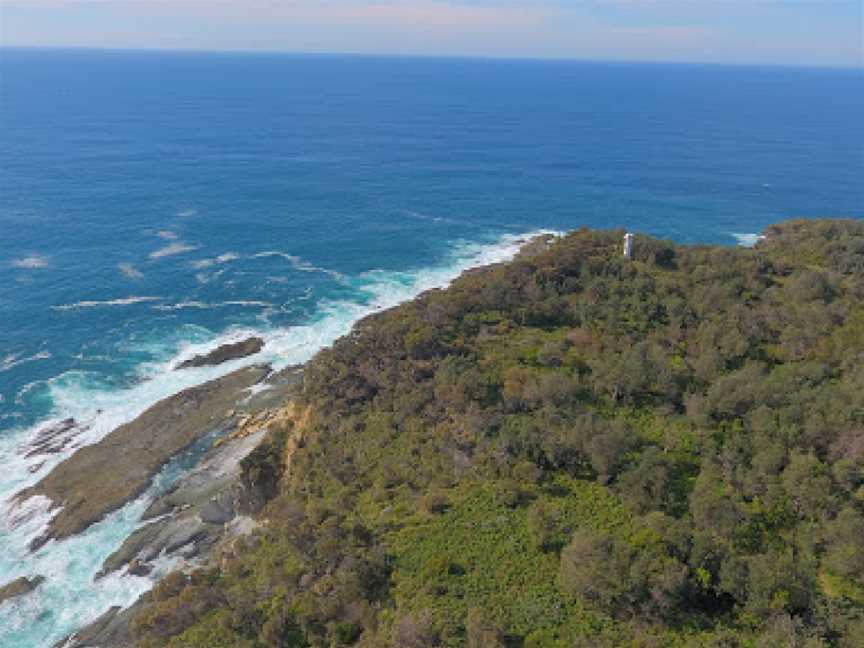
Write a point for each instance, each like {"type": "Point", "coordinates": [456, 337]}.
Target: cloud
{"type": "Point", "coordinates": [227, 18]}
{"type": "Point", "coordinates": [672, 32]}
{"type": "Point", "coordinates": [431, 15]}
{"type": "Point", "coordinates": [811, 32]}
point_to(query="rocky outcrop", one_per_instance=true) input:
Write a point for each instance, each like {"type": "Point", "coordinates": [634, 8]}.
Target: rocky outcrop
{"type": "Point", "coordinates": [53, 438]}
{"type": "Point", "coordinates": [112, 629]}
{"type": "Point", "coordinates": [534, 246]}
{"type": "Point", "coordinates": [225, 353]}
{"type": "Point", "coordinates": [189, 519]}
{"type": "Point", "coordinates": [206, 513]}
{"type": "Point", "coordinates": [100, 478]}
{"type": "Point", "coordinates": [213, 501]}
{"type": "Point", "coordinates": [19, 587]}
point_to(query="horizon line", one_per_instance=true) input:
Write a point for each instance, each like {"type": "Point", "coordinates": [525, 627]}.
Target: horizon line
{"type": "Point", "coordinates": [401, 55]}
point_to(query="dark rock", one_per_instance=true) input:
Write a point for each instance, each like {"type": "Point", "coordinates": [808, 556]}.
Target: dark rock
{"type": "Point", "coordinates": [139, 568]}
{"type": "Point", "coordinates": [217, 511]}
{"type": "Point", "coordinates": [279, 387]}
{"type": "Point", "coordinates": [54, 438]}
{"type": "Point", "coordinates": [110, 630]}
{"type": "Point", "coordinates": [19, 587]}
{"type": "Point", "coordinates": [190, 519]}
{"type": "Point", "coordinates": [225, 353]}
{"type": "Point", "coordinates": [100, 478]}
{"type": "Point", "coordinates": [291, 375]}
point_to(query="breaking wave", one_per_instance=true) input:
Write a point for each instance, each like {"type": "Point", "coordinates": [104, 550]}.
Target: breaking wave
{"type": "Point", "coordinates": [15, 359]}
{"type": "Point", "coordinates": [32, 262]}
{"type": "Point", "coordinates": [747, 239]}
{"type": "Point", "coordinates": [124, 301]}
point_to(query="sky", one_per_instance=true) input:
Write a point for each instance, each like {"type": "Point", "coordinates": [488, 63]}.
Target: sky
{"type": "Point", "coordinates": [795, 32]}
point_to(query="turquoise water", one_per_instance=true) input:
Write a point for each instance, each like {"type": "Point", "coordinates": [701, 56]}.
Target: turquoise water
{"type": "Point", "coordinates": [153, 205]}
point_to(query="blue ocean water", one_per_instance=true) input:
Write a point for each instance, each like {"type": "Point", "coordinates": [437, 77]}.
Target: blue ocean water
{"type": "Point", "coordinates": [155, 204]}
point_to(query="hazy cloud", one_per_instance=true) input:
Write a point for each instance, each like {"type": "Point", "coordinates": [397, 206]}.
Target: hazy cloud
{"type": "Point", "coordinates": [761, 31]}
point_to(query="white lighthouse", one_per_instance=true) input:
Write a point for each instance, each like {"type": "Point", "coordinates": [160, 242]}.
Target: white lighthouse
{"type": "Point", "coordinates": [628, 245]}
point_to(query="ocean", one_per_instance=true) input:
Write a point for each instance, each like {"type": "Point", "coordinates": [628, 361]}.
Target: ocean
{"type": "Point", "coordinates": [154, 205]}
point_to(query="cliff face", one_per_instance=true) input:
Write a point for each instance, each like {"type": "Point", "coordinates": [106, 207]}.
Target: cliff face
{"type": "Point", "coordinates": [570, 449]}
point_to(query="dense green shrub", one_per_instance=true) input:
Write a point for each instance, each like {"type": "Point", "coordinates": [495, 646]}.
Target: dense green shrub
{"type": "Point", "coordinates": [572, 449]}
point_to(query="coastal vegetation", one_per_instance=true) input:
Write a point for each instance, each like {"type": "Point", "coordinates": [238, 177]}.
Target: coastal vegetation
{"type": "Point", "coordinates": [571, 449]}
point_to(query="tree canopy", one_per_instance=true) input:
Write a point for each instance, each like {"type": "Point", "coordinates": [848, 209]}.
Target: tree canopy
{"type": "Point", "coordinates": [571, 449]}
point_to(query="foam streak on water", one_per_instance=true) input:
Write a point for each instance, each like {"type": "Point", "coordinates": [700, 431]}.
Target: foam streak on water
{"type": "Point", "coordinates": [747, 239]}
{"type": "Point", "coordinates": [69, 597]}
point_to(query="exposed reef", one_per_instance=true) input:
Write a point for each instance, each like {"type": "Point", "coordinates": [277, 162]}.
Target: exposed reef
{"type": "Point", "coordinates": [201, 515]}
{"type": "Point", "coordinates": [224, 353]}
{"type": "Point", "coordinates": [191, 517]}
{"type": "Point", "coordinates": [19, 587]}
{"type": "Point", "coordinates": [100, 478]}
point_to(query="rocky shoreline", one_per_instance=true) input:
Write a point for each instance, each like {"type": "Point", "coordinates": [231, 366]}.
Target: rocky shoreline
{"type": "Point", "coordinates": [100, 478]}
{"type": "Point", "coordinates": [200, 515]}
{"type": "Point", "coordinates": [19, 587]}
{"type": "Point", "coordinates": [209, 503]}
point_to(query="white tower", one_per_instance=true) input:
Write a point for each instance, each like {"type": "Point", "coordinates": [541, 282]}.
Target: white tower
{"type": "Point", "coordinates": [628, 245]}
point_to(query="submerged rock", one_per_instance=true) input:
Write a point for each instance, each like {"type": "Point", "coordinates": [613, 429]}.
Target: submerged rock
{"type": "Point", "coordinates": [19, 587]}
{"type": "Point", "coordinates": [225, 353]}
{"type": "Point", "coordinates": [100, 478]}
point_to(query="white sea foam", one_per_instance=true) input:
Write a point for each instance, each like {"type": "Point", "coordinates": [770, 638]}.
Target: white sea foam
{"type": "Point", "coordinates": [32, 262]}
{"type": "Point", "coordinates": [168, 235]}
{"type": "Point", "coordinates": [172, 249]}
{"type": "Point", "coordinates": [26, 389]}
{"type": "Point", "coordinates": [222, 258]}
{"type": "Point", "coordinates": [123, 301]}
{"type": "Point", "coordinates": [747, 239]}
{"type": "Point", "coordinates": [15, 359]}
{"type": "Point", "coordinates": [416, 215]}
{"type": "Point", "coordinates": [85, 396]}
{"type": "Point", "coordinates": [192, 303]}
{"type": "Point", "coordinates": [299, 263]}
{"type": "Point", "coordinates": [210, 305]}
{"type": "Point", "coordinates": [205, 278]}
{"type": "Point", "coordinates": [68, 597]}
{"type": "Point", "coordinates": [130, 271]}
